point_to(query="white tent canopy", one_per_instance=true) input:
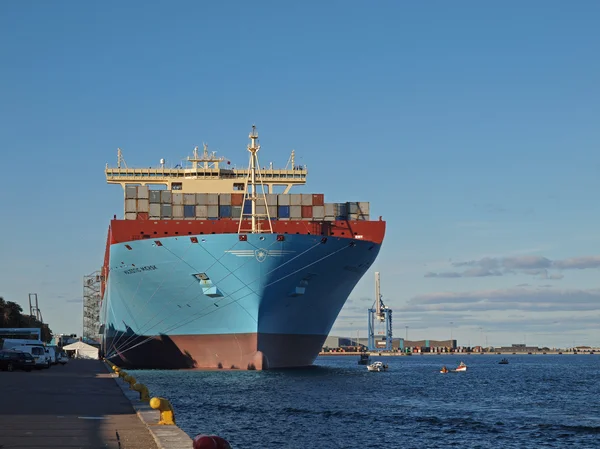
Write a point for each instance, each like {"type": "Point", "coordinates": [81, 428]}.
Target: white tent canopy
{"type": "Point", "coordinates": [82, 350]}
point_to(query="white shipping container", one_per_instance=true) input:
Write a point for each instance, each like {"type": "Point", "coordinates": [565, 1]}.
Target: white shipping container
{"type": "Point", "coordinates": [319, 212]}
{"type": "Point", "coordinates": [154, 210]}
{"type": "Point", "coordinates": [130, 192]}
{"type": "Point", "coordinates": [178, 210]}
{"type": "Point", "coordinates": [352, 208]}
{"type": "Point", "coordinates": [213, 210]}
{"type": "Point", "coordinates": [189, 199]}
{"type": "Point", "coordinates": [272, 211]}
{"type": "Point", "coordinates": [142, 205]}
{"type": "Point", "coordinates": [261, 209]}
{"type": "Point", "coordinates": [177, 198]}
{"type": "Point", "coordinates": [296, 211]}
{"type": "Point", "coordinates": [225, 199]}
{"type": "Point", "coordinates": [142, 192]}
{"type": "Point", "coordinates": [130, 216]}
{"type": "Point", "coordinates": [363, 208]}
{"type": "Point", "coordinates": [329, 218]}
{"type": "Point", "coordinates": [201, 199]}
{"type": "Point", "coordinates": [271, 199]}
{"type": "Point", "coordinates": [201, 211]}
{"type": "Point", "coordinates": [307, 199]}
{"type": "Point", "coordinates": [213, 200]}
{"type": "Point", "coordinates": [296, 199]}
{"type": "Point", "coordinates": [130, 205]}
{"type": "Point", "coordinates": [329, 209]}
{"type": "Point", "coordinates": [283, 200]}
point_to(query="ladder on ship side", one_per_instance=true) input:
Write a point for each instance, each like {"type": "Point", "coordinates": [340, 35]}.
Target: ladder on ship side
{"type": "Point", "coordinates": [253, 198]}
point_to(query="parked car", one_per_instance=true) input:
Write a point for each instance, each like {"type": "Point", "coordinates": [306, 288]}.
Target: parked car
{"type": "Point", "coordinates": [12, 360]}
{"type": "Point", "coordinates": [41, 357]}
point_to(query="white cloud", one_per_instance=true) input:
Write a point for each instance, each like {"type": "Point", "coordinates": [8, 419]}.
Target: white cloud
{"type": "Point", "coordinates": [531, 265]}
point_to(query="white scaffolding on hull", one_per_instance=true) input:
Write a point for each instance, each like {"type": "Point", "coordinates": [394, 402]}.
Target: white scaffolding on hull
{"type": "Point", "coordinates": [91, 305]}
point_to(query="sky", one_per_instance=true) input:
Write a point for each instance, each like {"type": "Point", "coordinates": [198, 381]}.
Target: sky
{"type": "Point", "coordinates": [470, 127]}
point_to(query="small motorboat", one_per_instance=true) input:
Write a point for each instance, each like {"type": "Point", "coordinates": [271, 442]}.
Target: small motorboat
{"type": "Point", "coordinates": [377, 366]}
{"type": "Point", "coordinates": [503, 362]}
{"type": "Point", "coordinates": [461, 367]}
{"type": "Point", "coordinates": [365, 359]}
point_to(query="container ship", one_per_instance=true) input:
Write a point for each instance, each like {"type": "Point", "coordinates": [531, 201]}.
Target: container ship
{"type": "Point", "coordinates": [211, 268]}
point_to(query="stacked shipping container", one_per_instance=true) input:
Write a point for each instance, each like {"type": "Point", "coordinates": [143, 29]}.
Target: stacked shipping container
{"type": "Point", "coordinates": [142, 203]}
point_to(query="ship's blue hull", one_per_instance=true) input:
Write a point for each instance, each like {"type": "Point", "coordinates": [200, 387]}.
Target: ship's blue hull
{"type": "Point", "coordinates": [221, 302]}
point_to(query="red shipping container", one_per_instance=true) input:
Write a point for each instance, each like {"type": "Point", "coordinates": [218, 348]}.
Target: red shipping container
{"type": "Point", "coordinates": [318, 199]}
{"type": "Point", "coordinates": [237, 199]}
{"type": "Point", "coordinates": [142, 215]}
{"type": "Point", "coordinates": [307, 212]}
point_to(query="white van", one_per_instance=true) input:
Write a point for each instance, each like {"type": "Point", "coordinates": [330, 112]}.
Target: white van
{"type": "Point", "coordinates": [53, 354]}
{"type": "Point", "coordinates": [39, 353]}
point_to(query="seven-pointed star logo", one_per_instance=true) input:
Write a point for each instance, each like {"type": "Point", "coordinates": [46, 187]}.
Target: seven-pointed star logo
{"type": "Point", "coordinates": [261, 254]}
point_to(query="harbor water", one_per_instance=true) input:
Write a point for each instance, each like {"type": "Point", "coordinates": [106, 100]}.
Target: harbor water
{"type": "Point", "coordinates": [535, 401]}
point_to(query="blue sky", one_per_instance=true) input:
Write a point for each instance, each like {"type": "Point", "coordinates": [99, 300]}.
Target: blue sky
{"type": "Point", "coordinates": [471, 128]}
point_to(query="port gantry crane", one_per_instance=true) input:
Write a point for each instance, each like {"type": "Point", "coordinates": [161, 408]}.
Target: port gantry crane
{"type": "Point", "coordinates": [381, 313]}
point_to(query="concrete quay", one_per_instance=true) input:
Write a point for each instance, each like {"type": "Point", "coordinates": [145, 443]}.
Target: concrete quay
{"type": "Point", "coordinates": [165, 436]}
{"type": "Point", "coordinates": [79, 405]}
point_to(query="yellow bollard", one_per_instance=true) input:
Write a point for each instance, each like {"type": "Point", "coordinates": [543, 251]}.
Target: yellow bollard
{"type": "Point", "coordinates": [167, 415]}
{"type": "Point", "coordinates": [130, 380]}
{"type": "Point", "coordinates": [143, 390]}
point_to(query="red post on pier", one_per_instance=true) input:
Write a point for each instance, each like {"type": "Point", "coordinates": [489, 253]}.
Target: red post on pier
{"type": "Point", "coordinates": [210, 442]}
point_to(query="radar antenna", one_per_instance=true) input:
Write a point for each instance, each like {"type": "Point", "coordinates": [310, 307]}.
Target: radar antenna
{"type": "Point", "coordinates": [120, 158]}
{"type": "Point", "coordinates": [208, 160]}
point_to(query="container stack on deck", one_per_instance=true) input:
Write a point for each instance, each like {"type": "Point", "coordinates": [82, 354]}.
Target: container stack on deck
{"type": "Point", "coordinates": [143, 204]}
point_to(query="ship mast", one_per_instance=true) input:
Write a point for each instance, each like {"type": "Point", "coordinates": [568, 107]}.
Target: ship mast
{"type": "Point", "coordinates": [253, 179]}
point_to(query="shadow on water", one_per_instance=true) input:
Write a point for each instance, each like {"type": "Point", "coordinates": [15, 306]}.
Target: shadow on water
{"type": "Point", "coordinates": [129, 350]}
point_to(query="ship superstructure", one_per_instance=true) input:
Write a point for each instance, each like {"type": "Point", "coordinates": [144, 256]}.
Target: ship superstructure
{"type": "Point", "coordinates": [215, 269]}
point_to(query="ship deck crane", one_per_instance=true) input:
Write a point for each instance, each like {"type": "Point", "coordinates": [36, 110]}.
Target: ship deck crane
{"type": "Point", "coordinates": [381, 313]}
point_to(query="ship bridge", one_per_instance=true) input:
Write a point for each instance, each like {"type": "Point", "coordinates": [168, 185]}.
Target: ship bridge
{"type": "Point", "coordinates": [205, 174]}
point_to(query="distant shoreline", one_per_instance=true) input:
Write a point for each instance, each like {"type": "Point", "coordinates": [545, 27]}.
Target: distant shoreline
{"type": "Point", "coordinates": [401, 354]}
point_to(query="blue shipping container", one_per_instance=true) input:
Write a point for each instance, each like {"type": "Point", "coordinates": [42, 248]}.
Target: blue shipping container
{"type": "Point", "coordinates": [284, 212]}
{"type": "Point", "coordinates": [225, 211]}
{"type": "Point", "coordinates": [248, 207]}
{"type": "Point", "coordinates": [189, 211]}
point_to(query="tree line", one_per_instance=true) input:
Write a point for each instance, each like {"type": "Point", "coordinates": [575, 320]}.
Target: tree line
{"type": "Point", "coordinates": [11, 315]}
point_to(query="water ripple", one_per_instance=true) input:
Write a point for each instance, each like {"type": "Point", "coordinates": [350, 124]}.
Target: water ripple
{"type": "Point", "coordinates": [535, 401]}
